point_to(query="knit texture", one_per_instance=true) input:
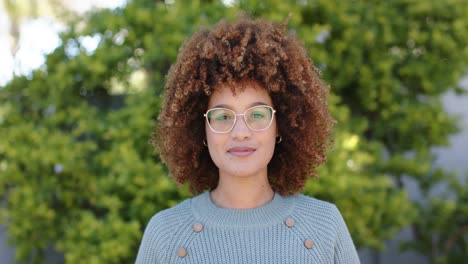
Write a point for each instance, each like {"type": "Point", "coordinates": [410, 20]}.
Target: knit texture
{"type": "Point", "coordinates": [290, 229]}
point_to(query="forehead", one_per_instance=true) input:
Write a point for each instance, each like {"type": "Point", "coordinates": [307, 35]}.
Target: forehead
{"type": "Point", "coordinates": [239, 95]}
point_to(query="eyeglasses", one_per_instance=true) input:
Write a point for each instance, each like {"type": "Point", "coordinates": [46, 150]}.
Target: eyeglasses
{"type": "Point", "coordinates": [257, 118]}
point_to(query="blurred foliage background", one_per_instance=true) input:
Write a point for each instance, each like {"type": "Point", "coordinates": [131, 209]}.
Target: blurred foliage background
{"type": "Point", "coordinates": [77, 172]}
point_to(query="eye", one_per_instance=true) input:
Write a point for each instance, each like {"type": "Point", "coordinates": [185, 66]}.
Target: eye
{"type": "Point", "coordinates": [223, 117]}
{"type": "Point", "coordinates": [257, 115]}
{"type": "Point", "coordinates": [220, 115]}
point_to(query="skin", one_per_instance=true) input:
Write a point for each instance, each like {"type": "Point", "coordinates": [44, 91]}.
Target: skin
{"type": "Point", "coordinates": [241, 155]}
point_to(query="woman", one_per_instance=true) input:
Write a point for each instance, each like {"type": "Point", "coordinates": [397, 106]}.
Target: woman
{"type": "Point", "coordinates": [245, 122]}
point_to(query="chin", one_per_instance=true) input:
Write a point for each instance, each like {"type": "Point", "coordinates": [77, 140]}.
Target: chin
{"type": "Point", "coordinates": [243, 171]}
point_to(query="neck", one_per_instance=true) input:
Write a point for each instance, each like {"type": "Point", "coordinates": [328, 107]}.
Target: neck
{"type": "Point", "coordinates": [242, 192]}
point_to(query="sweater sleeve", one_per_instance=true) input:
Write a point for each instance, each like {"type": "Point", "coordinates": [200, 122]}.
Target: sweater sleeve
{"type": "Point", "coordinates": [345, 251]}
{"type": "Point", "coordinates": [149, 244]}
{"type": "Point", "coordinates": [161, 229]}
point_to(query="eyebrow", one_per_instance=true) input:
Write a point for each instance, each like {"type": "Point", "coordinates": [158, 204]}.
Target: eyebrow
{"type": "Point", "coordinates": [249, 106]}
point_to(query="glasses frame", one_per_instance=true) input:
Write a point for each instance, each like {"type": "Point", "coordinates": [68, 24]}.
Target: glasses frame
{"type": "Point", "coordinates": [273, 111]}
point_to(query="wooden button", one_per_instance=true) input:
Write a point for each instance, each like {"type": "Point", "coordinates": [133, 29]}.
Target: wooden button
{"type": "Point", "coordinates": [182, 252]}
{"type": "Point", "coordinates": [309, 243]}
{"type": "Point", "coordinates": [290, 222]}
{"type": "Point", "coordinates": [197, 227]}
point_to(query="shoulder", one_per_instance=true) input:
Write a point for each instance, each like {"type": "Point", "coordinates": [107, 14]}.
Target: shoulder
{"type": "Point", "coordinates": [313, 205]}
{"type": "Point", "coordinates": [164, 224]}
{"type": "Point", "coordinates": [162, 228]}
{"type": "Point", "coordinates": [169, 219]}
{"type": "Point", "coordinates": [318, 212]}
{"type": "Point", "coordinates": [324, 224]}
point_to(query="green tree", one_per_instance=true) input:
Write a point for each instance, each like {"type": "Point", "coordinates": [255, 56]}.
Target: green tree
{"type": "Point", "coordinates": [77, 172]}
{"type": "Point", "coordinates": [390, 63]}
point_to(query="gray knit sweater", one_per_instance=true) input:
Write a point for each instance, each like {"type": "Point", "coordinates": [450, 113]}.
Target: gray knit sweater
{"type": "Point", "coordinates": [291, 229]}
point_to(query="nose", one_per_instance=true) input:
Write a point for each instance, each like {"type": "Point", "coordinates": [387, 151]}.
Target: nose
{"type": "Point", "coordinates": [240, 130]}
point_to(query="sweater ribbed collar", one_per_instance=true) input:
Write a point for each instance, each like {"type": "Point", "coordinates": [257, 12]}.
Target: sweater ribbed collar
{"type": "Point", "coordinates": [275, 211]}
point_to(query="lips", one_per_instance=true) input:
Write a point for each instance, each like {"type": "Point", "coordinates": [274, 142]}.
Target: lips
{"type": "Point", "coordinates": [241, 151]}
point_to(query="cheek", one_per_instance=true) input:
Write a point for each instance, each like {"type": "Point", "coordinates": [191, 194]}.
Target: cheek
{"type": "Point", "coordinates": [273, 132]}
{"type": "Point", "coordinates": [211, 137]}
{"type": "Point", "coordinates": [215, 145]}
{"type": "Point", "coordinates": [271, 143]}
{"type": "Point", "coordinates": [270, 139]}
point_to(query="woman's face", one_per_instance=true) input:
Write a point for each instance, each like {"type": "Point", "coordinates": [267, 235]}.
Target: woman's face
{"type": "Point", "coordinates": [241, 152]}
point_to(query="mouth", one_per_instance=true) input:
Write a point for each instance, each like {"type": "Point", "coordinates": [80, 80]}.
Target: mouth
{"type": "Point", "coordinates": [241, 151]}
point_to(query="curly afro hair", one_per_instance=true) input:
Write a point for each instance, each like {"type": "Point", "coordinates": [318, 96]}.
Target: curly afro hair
{"type": "Point", "coordinates": [231, 52]}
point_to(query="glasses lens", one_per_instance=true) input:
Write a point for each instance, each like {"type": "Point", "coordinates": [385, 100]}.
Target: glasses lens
{"type": "Point", "coordinates": [259, 117]}
{"type": "Point", "coordinates": [220, 119]}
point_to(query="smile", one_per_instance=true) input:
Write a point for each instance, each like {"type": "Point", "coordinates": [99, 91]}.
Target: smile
{"type": "Point", "coordinates": [241, 151]}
